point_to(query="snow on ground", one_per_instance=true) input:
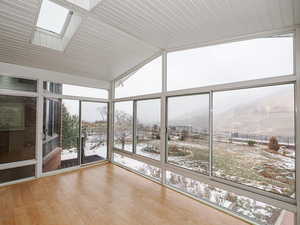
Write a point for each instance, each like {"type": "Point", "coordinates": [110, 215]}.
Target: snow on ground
{"type": "Point", "coordinates": [91, 148]}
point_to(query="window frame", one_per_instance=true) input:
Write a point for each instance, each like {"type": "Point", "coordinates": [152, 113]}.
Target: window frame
{"type": "Point", "coordinates": [64, 27]}
{"type": "Point", "coordinates": [209, 130]}
{"type": "Point", "coordinates": [251, 192]}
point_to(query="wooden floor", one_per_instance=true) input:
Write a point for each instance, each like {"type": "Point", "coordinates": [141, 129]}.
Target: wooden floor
{"type": "Point", "coordinates": [106, 195]}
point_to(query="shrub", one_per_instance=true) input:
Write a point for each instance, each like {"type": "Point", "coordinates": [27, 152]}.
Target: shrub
{"type": "Point", "coordinates": [273, 144]}
{"type": "Point", "coordinates": [251, 143]}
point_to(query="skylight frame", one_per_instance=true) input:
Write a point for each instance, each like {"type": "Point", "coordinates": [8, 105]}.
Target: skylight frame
{"type": "Point", "coordinates": [64, 26]}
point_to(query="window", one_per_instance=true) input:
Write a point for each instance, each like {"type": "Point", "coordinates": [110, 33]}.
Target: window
{"type": "Point", "coordinates": [86, 4]}
{"type": "Point", "coordinates": [73, 90]}
{"type": "Point", "coordinates": [231, 62]}
{"type": "Point", "coordinates": [17, 128]}
{"type": "Point", "coordinates": [51, 117]}
{"type": "Point", "coordinates": [123, 126]}
{"type": "Point", "coordinates": [84, 91]}
{"type": "Point", "coordinates": [254, 138]}
{"type": "Point", "coordinates": [17, 84]}
{"type": "Point", "coordinates": [18, 173]}
{"type": "Point", "coordinates": [93, 131]}
{"type": "Point", "coordinates": [256, 211]}
{"type": "Point", "coordinates": [61, 144]}
{"type": "Point", "coordinates": [188, 132]}
{"type": "Point", "coordinates": [143, 168]}
{"type": "Point", "coordinates": [146, 80]}
{"type": "Point", "coordinates": [52, 17]}
{"type": "Point", "coordinates": [148, 128]}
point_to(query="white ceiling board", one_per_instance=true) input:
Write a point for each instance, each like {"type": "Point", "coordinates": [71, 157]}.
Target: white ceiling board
{"type": "Point", "coordinates": [117, 35]}
{"type": "Point", "coordinates": [96, 51]}
{"type": "Point", "coordinates": [175, 23]}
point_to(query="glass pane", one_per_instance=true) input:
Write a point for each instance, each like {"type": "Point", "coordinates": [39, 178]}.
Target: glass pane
{"type": "Point", "coordinates": [231, 62]}
{"type": "Point", "coordinates": [147, 80]}
{"type": "Point", "coordinates": [17, 173]}
{"type": "Point", "coordinates": [188, 132]}
{"type": "Point", "coordinates": [52, 17]}
{"type": "Point", "coordinates": [256, 211]}
{"type": "Point", "coordinates": [143, 168]}
{"type": "Point", "coordinates": [17, 128]}
{"type": "Point", "coordinates": [73, 90]}
{"type": "Point", "coordinates": [61, 134]}
{"type": "Point", "coordinates": [148, 128]}
{"type": "Point", "coordinates": [123, 126]}
{"type": "Point", "coordinates": [93, 131]}
{"type": "Point", "coordinates": [84, 91]}
{"type": "Point", "coordinates": [254, 138]}
{"type": "Point", "coordinates": [17, 84]}
{"type": "Point", "coordinates": [51, 87]}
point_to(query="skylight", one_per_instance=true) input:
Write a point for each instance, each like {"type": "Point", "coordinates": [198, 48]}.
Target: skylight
{"type": "Point", "coordinates": [52, 17]}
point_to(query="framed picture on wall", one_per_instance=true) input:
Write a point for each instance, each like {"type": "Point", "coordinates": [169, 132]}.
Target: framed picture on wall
{"type": "Point", "coordinates": [12, 116]}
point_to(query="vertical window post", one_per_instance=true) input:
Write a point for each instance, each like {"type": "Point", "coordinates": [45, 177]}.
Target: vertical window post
{"type": "Point", "coordinates": [163, 140]}
{"type": "Point", "coordinates": [39, 129]}
{"type": "Point", "coordinates": [111, 121]}
{"type": "Point", "coordinates": [297, 102]}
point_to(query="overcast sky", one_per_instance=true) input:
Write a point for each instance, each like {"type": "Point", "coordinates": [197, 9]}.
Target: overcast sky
{"type": "Point", "coordinates": [224, 63]}
{"type": "Point", "coordinates": [217, 64]}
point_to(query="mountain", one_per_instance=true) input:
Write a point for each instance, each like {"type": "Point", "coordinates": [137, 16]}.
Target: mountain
{"type": "Point", "coordinates": [269, 115]}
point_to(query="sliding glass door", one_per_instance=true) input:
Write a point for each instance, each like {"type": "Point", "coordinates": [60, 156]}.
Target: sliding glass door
{"type": "Point", "coordinates": [75, 132]}
{"type": "Point", "coordinates": [93, 131]}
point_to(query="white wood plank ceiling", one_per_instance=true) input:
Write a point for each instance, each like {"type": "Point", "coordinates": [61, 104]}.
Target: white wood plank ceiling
{"type": "Point", "coordinates": [119, 34]}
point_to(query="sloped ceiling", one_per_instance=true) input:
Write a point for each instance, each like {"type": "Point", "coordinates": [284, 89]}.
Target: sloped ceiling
{"type": "Point", "coordinates": [119, 34]}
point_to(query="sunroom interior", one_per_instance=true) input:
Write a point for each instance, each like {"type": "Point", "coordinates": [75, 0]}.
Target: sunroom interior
{"type": "Point", "coordinates": [149, 112]}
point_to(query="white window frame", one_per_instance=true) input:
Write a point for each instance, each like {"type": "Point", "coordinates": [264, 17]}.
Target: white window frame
{"type": "Point", "coordinates": [52, 33]}
{"type": "Point", "coordinates": [280, 201]}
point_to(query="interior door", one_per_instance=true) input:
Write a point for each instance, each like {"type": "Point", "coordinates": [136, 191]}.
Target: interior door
{"type": "Point", "coordinates": [93, 131]}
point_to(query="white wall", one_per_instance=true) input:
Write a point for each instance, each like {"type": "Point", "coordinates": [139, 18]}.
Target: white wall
{"type": "Point", "coordinates": [34, 73]}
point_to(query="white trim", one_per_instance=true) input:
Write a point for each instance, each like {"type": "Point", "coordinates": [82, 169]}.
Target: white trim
{"type": "Point", "coordinates": [17, 181]}
{"type": "Point", "coordinates": [39, 130]}
{"type": "Point", "coordinates": [163, 118]}
{"type": "Point", "coordinates": [10, 92]}
{"type": "Point", "coordinates": [211, 129]}
{"type": "Point", "coordinates": [71, 97]}
{"type": "Point", "coordinates": [59, 171]}
{"type": "Point", "coordinates": [297, 104]}
{"type": "Point", "coordinates": [140, 158]}
{"type": "Point", "coordinates": [111, 122]}
{"type": "Point", "coordinates": [139, 97]}
{"type": "Point", "coordinates": [270, 81]}
{"type": "Point", "coordinates": [12, 165]}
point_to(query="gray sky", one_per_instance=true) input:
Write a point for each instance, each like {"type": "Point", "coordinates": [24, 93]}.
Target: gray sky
{"type": "Point", "coordinates": [224, 63]}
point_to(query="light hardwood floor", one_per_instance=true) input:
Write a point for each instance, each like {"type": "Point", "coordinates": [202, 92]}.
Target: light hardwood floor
{"type": "Point", "coordinates": [107, 195]}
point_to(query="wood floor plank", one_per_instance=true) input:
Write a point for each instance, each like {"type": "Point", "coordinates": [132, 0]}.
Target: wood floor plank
{"type": "Point", "coordinates": [104, 194]}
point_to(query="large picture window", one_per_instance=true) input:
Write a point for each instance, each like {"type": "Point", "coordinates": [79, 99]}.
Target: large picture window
{"type": "Point", "coordinates": [148, 128]}
{"type": "Point", "coordinates": [254, 138]}
{"type": "Point", "coordinates": [146, 80]}
{"type": "Point", "coordinates": [188, 132]}
{"type": "Point", "coordinates": [123, 126]}
{"type": "Point", "coordinates": [231, 62]}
